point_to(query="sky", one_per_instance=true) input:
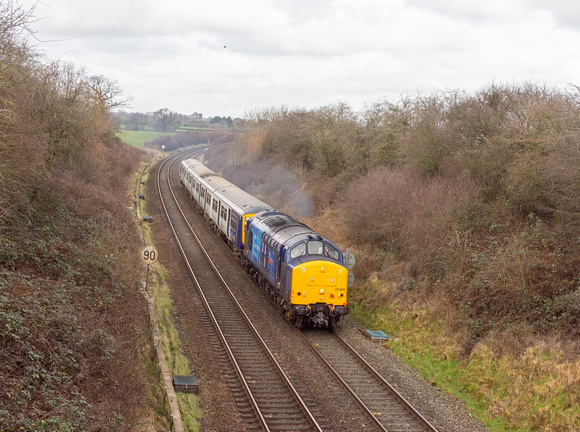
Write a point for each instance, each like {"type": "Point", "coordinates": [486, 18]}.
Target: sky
{"type": "Point", "coordinates": [232, 57]}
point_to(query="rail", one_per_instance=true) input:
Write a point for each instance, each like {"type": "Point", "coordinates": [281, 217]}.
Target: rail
{"type": "Point", "coordinates": [216, 322]}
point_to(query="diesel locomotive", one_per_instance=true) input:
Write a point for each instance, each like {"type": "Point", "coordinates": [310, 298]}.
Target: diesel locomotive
{"type": "Point", "coordinates": [302, 271]}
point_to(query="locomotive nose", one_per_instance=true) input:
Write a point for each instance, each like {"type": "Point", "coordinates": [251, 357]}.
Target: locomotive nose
{"type": "Point", "coordinates": [320, 282]}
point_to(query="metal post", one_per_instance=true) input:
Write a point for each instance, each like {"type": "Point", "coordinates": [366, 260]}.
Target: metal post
{"type": "Point", "coordinates": [147, 279]}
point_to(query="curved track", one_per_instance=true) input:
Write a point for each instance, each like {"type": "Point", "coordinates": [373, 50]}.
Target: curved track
{"type": "Point", "coordinates": [266, 390]}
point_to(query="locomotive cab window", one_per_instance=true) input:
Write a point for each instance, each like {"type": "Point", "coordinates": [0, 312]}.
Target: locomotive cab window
{"type": "Point", "coordinates": [298, 250]}
{"type": "Point", "coordinates": [314, 247]}
{"type": "Point", "coordinates": [331, 252]}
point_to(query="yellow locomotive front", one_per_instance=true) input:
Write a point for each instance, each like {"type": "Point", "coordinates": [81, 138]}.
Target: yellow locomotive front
{"type": "Point", "coordinates": [319, 290]}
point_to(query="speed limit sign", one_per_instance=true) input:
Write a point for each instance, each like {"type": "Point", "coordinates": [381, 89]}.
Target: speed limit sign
{"type": "Point", "coordinates": [149, 255]}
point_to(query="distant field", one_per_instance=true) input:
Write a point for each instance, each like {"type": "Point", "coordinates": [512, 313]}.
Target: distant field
{"type": "Point", "coordinates": [186, 128]}
{"type": "Point", "coordinates": [139, 138]}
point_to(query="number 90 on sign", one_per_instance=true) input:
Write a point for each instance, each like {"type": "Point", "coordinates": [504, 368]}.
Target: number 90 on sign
{"type": "Point", "coordinates": [149, 255]}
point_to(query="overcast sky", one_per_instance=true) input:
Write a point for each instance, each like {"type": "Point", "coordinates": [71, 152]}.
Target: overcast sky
{"type": "Point", "coordinates": [228, 57]}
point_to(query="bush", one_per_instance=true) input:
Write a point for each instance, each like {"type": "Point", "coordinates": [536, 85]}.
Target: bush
{"type": "Point", "coordinates": [450, 187]}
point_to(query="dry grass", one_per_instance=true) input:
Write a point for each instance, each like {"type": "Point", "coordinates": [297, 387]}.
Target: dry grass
{"type": "Point", "coordinates": [512, 379]}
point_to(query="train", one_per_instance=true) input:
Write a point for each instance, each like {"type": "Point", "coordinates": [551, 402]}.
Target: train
{"type": "Point", "coordinates": [302, 271]}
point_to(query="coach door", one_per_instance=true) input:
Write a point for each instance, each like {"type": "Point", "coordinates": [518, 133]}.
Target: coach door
{"type": "Point", "coordinates": [195, 191]}
{"type": "Point", "coordinates": [224, 218]}
{"type": "Point", "coordinates": [207, 205]}
{"type": "Point", "coordinates": [201, 199]}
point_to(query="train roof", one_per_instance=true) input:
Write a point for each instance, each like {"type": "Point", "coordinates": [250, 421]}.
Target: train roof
{"type": "Point", "coordinates": [285, 229]}
{"type": "Point", "coordinates": [239, 200]}
{"type": "Point", "coordinates": [198, 168]}
{"type": "Point", "coordinates": [214, 182]}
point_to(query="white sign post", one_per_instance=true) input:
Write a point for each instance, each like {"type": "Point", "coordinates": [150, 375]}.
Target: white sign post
{"type": "Point", "coordinates": [149, 255]}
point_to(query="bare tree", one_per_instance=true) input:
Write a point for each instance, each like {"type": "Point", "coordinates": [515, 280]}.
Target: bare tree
{"type": "Point", "coordinates": [105, 92]}
{"type": "Point", "coordinates": [14, 25]}
{"type": "Point", "coordinates": [137, 121]}
{"type": "Point", "coordinates": [165, 119]}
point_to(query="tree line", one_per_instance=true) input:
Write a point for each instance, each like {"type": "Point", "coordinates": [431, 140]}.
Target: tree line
{"type": "Point", "coordinates": [476, 193]}
{"type": "Point", "coordinates": [166, 120]}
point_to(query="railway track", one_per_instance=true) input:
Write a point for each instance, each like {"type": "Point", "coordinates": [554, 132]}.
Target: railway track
{"type": "Point", "coordinates": [271, 401]}
{"type": "Point", "coordinates": [264, 395]}
{"type": "Point", "coordinates": [389, 410]}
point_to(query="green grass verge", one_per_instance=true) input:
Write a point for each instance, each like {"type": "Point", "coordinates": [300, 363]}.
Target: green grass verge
{"type": "Point", "coordinates": [176, 360]}
{"type": "Point", "coordinates": [194, 128]}
{"type": "Point", "coordinates": [139, 138]}
{"type": "Point", "coordinates": [535, 391]}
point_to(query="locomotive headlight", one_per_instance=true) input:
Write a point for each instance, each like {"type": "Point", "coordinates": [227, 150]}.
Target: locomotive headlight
{"type": "Point", "coordinates": [321, 290]}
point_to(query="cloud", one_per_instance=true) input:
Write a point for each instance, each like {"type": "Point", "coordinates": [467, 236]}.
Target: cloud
{"type": "Point", "coordinates": [566, 13]}
{"type": "Point", "coordinates": [479, 12]}
{"type": "Point", "coordinates": [303, 53]}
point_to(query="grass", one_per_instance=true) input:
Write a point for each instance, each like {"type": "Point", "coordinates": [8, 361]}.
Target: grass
{"type": "Point", "coordinates": [188, 128]}
{"type": "Point", "coordinates": [176, 361]}
{"type": "Point", "coordinates": [140, 138]}
{"type": "Point", "coordinates": [536, 390]}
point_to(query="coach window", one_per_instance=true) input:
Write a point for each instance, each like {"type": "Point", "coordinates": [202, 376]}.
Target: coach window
{"type": "Point", "coordinates": [299, 250]}
{"type": "Point", "coordinates": [314, 247]}
{"type": "Point", "coordinates": [197, 187]}
{"type": "Point", "coordinates": [215, 205]}
{"type": "Point", "coordinates": [202, 194]}
{"type": "Point", "coordinates": [234, 221]}
{"type": "Point", "coordinates": [208, 199]}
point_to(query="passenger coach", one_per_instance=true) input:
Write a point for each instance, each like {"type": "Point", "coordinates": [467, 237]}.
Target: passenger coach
{"type": "Point", "coordinates": [226, 206]}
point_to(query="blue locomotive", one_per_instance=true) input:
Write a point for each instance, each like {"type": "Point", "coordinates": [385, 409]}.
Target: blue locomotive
{"type": "Point", "coordinates": [298, 268]}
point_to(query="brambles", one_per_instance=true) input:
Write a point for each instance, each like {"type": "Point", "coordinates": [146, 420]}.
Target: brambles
{"type": "Point", "coordinates": [465, 205]}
